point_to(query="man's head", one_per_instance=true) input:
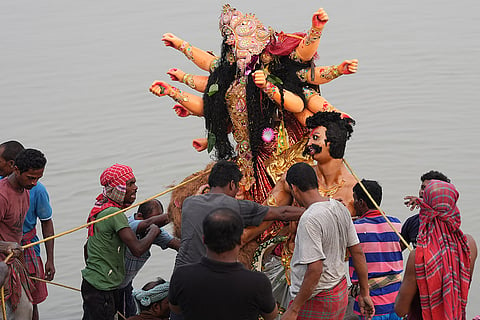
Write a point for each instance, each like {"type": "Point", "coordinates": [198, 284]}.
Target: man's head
{"type": "Point", "coordinates": [8, 152]}
{"type": "Point", "coordinates": [150, 209]}
{"type": "Point", "coordinates": [118, 183]}
{"type": "Point", "coordinates": [361, 201]}
{"type": "Point", "coordinates": [329, 131]}
{"type": "Point", "coordinates": [222, 230]}
{"type": "Point", "coordinates": [225, 174]}
{"type": "Point", "coordinates": [154, 298]}
{"type": "Point", "coordinates": [301, 178]}
{"type": "Point", "coordinates": [29, 166]}
{"type": "Point", "coordinates": [430, 175]}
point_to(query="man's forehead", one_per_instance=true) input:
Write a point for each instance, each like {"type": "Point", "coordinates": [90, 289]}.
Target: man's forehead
{"type": "Point", "coordinates": [319, 129]}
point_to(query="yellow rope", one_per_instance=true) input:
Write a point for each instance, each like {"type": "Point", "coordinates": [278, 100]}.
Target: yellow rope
{"type": "Point", "coordinates": [54, 283]}
{"type": "Point", "coordinates": [115, 213]}
{"type": "Point", "coordinates": [377, 206]}
{"type": "Point", "coordinates": [4, 308]}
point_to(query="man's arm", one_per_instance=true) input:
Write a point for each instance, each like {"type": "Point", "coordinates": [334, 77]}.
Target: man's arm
{"type": "Point", "coordinates": [160, 220]}
{"type": "Point", "coordinates": [48, 231]}
{"type": "Point", "coordinates": [139, 247]}
{"type": "Point", "coordinates": [284, 213]}
{"type": "Point", "coordinates": [408, 289]}
{"type": "Point", "coordinates": [176, 309]}
{"type": "Point", "coordinates": [174, 244]}
{"type": "Point", "coordinates": [312, 276]}
{"type": "Point", "coordinates": [272, 315]}
{"type": "Point", "coordinates": [360, 264]}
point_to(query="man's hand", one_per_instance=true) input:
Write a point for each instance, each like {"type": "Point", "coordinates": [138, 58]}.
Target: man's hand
{"type": "Point", "coordinates": [412, 202]}
{"type": "Point", "coordinates": [49, 270]}
{"type": "Point", "coordinates": [367, 308]}
{"type": "Point", "coordinates": [289, 315]}
{"type": "Point", "coordinates": [348, 66]}
{"type": "Point", "coordinates": [319, 19]}
{"type": "Point", "coordinates": [153, 228]}
{"type": "Point", "coordinates": [171, 40]}
{"type": "Point", "coordinates": [200, 144]}
{"type": "Point", "coordinates": [8, 247]}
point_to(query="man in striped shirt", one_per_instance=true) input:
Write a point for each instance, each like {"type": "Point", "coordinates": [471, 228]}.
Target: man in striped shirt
{"type": "Point", "coordinates": [382, 251]}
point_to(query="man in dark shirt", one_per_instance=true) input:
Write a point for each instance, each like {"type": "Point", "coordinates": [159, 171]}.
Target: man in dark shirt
{"type": "Point", "coordinates": [219, 287]}
{"type": "Point", "coordinates": [410, 226]}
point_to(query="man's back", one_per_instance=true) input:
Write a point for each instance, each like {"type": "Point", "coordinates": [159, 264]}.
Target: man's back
{"type": "Point", "coordinates": [217, 290]}
{"type": "Point", "coordinates": [324, 232]}
{"type": "Point", "coordinates": [384, 259]}
{"type": "Point", "coordinates": [196, 208]}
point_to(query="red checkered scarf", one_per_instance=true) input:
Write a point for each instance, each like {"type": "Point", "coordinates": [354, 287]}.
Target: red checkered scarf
{"type": "Point", "coordinates": [442, 258]}
{"type": "Point", "coordinates": [114, 181]}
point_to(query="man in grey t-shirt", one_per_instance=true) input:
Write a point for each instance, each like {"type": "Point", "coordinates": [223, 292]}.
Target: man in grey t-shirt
{"type": "Point", "coordinates": [223, 181]}
{"type": "Point", "coordinates": [324, 233]}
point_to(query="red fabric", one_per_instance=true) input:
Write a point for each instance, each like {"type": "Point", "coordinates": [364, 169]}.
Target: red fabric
{"type": "Point", "coordinates": [34, 266]}
{"type": "Point", "coordinates": [442, 257]}
{"type": "Point", "coordinates": [285, 43]}
{"type": "Point", "coordinates": [18, 278]}
{"type": "Point", "coordinates": [113, 177]}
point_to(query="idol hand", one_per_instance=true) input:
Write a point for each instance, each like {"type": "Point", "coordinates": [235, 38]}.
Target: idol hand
{"type": "Point", "coordinates": [171, 40]}
{"type": "Point", "coordinates": [176, 74]}
{"type": "Point", "coordinates": [319, 19]}
{"type": "Point", "coordinates": [348, 66]}
{"type": "Point", "coordinates": [259, 79]}
{"type": "Point", "coordinates": [181, 111]}
{"type": "Point", "coordinates": [160, 88]}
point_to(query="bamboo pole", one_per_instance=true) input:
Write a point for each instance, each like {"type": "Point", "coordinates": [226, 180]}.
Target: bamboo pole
{"type": "Point", "coordinates": [377, 206]}
{"type": "Point", "coordinates": [4, 307]}
{"type": "Point", "coordinates": [55, 283]}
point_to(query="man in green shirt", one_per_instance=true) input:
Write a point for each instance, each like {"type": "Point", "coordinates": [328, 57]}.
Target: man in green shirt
{"type": "Point", "coordinates": [105, 248]}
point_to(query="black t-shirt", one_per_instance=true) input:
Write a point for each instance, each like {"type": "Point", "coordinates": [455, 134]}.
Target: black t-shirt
{"type": "Point", "coordinates": [410, 229]}
{"type": "Point", "coordinates": [216, 290]}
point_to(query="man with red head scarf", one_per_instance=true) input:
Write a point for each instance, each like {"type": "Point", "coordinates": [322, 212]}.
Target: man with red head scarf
{"type": "Point", "coordinates": [105, 248]}
{"type": "Point", "coordinates": [438, 273]}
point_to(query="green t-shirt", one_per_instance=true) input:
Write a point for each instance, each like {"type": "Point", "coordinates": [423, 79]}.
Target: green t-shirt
{"type": "Point", "coordinates": [105, 267]}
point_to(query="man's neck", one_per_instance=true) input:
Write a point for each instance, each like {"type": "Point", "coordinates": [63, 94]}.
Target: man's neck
{"type": "Point", "coordinates": [329, 173]}
{"type": "Point", "coordinates": [219, 190]}
{"type": "Point", "coordinates": [226, 257]}
{"type": "Point", "coordinates": [14, 183]}
{"type": "Point", "coordinates": [312, 196]}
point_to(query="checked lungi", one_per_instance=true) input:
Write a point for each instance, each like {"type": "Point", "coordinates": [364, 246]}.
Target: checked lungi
{"type": "Point", "coordinates": [328, 304]}
{"type": "Point", "coordinates": [34, 266]}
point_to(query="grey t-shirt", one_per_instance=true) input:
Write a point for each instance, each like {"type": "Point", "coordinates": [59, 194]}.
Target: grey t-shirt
{"type": "Point", "coordinates": [324, 232]}
{"type": "Point", "coordinates": [196, 208]}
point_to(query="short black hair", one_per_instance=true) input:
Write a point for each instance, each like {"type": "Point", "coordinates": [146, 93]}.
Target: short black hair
{"type": "Point", "coordinates": [339, 130]}
{"type": "Point", "coordinates": [302, 176]}
{"type": "Point", "coordinates": [146, 208]}
{"type": "Point", "coordinates": [223, 172]}
{"type": "Point", "coordinates": [373, 188]}
{"type": "Point", "coordinates": [11, 149]}
{"type": "Point", "coordinates": [222, 230]}
{"type": "Point", "coordinates": [30, 159]}
{"type": "Point", "coordinates": [434, 175]}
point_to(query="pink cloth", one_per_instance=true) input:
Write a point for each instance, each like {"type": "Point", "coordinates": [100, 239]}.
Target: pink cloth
{"type": "Point", "coordinates": [13, 208]}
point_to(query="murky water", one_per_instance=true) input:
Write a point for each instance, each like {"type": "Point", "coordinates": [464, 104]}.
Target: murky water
{"type": "Point", "coordinates": [75, 78]}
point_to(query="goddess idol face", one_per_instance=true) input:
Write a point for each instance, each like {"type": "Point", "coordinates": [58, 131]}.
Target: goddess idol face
{"type": "Point", "coordinates": [245, 33]}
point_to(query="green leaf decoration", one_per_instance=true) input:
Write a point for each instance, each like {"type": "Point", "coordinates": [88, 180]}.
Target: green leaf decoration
{"type": "Point", "coordinates": [274, 79]}
{"type": "Point", "coordinates": [212, 90]}
{"type": "Point", "coordinates": [211, 141]}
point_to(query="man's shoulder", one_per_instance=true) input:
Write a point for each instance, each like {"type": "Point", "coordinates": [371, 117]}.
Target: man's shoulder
{"type": "Point", "coordinates": [412, 219]}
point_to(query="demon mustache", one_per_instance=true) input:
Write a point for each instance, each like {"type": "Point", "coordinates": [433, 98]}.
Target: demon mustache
{"type": "Point", "coordinates": [311, 150]}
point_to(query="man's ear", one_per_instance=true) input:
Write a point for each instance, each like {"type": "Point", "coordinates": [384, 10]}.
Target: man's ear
{"type": "Point", "coordinates": [11, 163]}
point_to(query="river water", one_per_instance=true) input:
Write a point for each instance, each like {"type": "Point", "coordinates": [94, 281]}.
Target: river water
{"type": "Point", "coordinates": [75, 78]}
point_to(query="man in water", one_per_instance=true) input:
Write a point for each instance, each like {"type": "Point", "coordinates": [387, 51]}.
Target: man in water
{"type": "Point", "coordinates": [324, 233]}
{"type": "Point", "coordinates": [382, 251]}
{"type": "Point", "coordinates": [152, 301]}
{"type": "Point", "coordinates": [40, 209]}
{"type": "Point", "coordinates": [220, 287]}
{"type": "Point", "coordinates": [107, 239]}
{"type": "Point", "coordinates": [150, 212]}
{"type": "Point", "coordinates": [14, 203]}
{"type": "Point", "coordinates": [439, 270]}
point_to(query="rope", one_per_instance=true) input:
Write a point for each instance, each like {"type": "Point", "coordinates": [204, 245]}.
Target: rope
{"type": "Point", "coordinates": [54, 283]}
{"type": "Point", "coordinates": [118, 212]}
{"type": "Point", "coordinates": [377, 206]}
